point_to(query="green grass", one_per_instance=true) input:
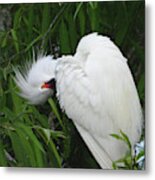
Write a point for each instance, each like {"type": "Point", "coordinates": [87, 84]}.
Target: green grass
{"type": "Point", "coordinates": [42, 136]}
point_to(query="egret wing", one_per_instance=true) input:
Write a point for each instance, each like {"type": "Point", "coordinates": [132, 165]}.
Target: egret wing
{"type": "Point", "coordinates": [100, 96]}
{"type": "Point", "coordinates": [77, 97]}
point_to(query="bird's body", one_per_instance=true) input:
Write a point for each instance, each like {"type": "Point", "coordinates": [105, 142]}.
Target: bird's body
{"type": "Point", "coordinates": [96, 90]}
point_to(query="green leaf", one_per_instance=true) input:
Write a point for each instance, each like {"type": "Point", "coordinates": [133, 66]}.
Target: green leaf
{"type": "Point", "coordinates": [41, 118]}
{"type": "Point", "coordinates": [19, 148]}
{"type": "Point", "coordinates": [64, 38]}
{"type": "Point", "coordinates": [45, 18]}
{"type": "Point", "coordinates": [126, 139]}
{"type": "Point", "coordinates": [17, 19]}
{"type": "Point", "coordinates": [82, 22]}
{"type": "Point", "coordinates": [16, 99]}
{"type": "Point", "coordinates": [55, 110]}
{"type": "Point", "coordinates": [72, 34]}
{"type": "Point", "coordinates": [33, 42]}
{"type": "Point", "coordinates": [15, 40]}
{"type": "Point", "coordinates": [55, 159]}
{"type": "Point", "coordinates": [50, 133]}
{"type": "Point", "coordinates": [4, 40]}
{"type": "Point", "coordinates": [77, 10]}
{"type": "Point", "coordinates": [117, 136]}
{"type": "Point", "coordinates": [36, 146]}
{"type": "Point", "coordinates": [30, 135]}
{"type": "Point", "coordinates": [8, 113]}
{"type": "Point", "coordinates": [93, 16]}
{"type": "Point", "coordinates": [141, 86]}
{"type": "Point", "coordinates": [3, 160]}
{"type": "Point", "coordinates": [30, 22]}
{"type": "Point", "coordinates": [138, 50]}
{"type": "Point", "coordinates": [122, 137]}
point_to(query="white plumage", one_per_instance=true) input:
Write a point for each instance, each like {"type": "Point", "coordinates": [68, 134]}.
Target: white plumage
{"type": "Point", "coordinates": [32, 79]}
{"type": "Point", "coordinates": [96, 89]}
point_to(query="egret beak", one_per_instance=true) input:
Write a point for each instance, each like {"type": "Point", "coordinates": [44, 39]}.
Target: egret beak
{"type": "Point", "coordinates": [47, 86]}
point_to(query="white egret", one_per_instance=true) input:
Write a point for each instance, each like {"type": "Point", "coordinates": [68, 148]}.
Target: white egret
{"type": "Point", "coordinates": [96, 90]}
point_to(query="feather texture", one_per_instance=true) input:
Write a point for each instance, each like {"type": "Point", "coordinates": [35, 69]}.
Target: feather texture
{"type": "Point", "coordinates": [31, 80]}
{"type": "Point", "coordinates": [96, 89]}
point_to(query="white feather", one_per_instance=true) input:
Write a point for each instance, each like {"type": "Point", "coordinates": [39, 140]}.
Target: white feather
{"type": "Point", "coordinates": [100, 155]}
{"type": "Point", "coordinates": [31, 80]}
{"type": "Point", "coordinates": [96, 89]}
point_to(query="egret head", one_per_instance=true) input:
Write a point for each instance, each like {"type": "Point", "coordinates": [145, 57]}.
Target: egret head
{"type": "Point", "coordinates": [37, 81]}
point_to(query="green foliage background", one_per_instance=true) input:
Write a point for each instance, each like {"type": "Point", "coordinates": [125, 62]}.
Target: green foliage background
{"type": "Point", "coordinates": [42, 136]}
